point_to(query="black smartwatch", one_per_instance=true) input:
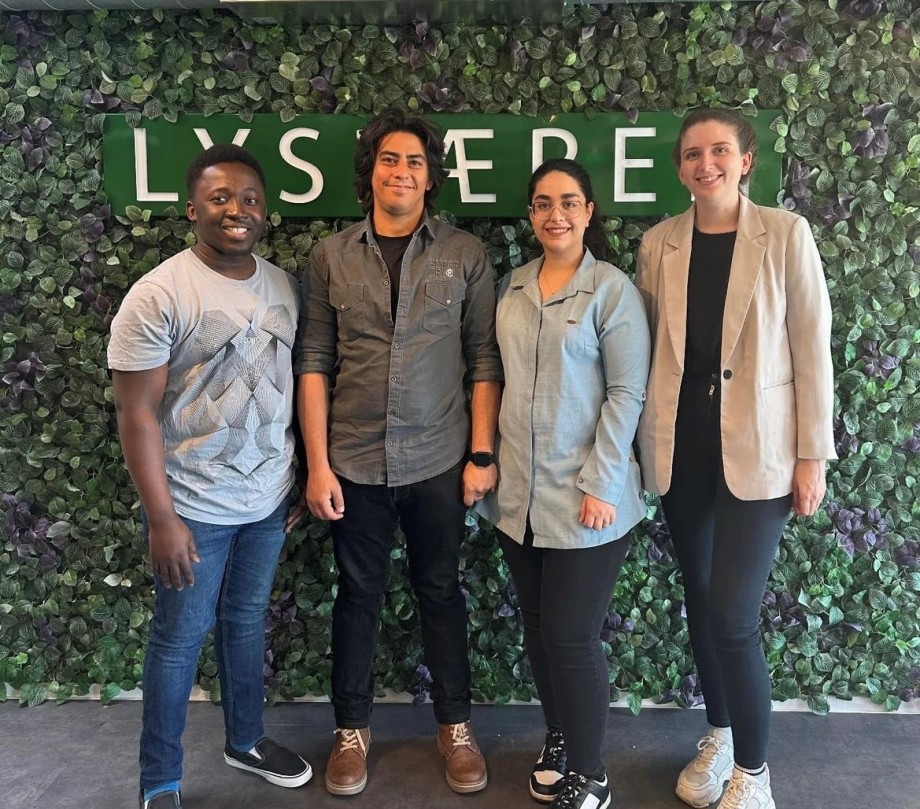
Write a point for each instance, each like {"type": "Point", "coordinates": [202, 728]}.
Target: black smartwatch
{"type": "Point", "coordinates": [482, 459]}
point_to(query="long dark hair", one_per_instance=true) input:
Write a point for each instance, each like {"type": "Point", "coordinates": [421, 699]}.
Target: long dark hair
{"type": "Point", "coordinates": [744, 133]}
{"type": "Point", "coordinates": [594, 237]}
{"type": "Point", "coordinates": [386, 123]}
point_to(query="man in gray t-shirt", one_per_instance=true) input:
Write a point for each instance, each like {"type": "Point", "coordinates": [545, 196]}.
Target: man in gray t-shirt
{"type": "Point", "coordinates": [200, 353]}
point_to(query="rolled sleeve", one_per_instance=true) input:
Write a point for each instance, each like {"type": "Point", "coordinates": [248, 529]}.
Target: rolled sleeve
{"type": "Point", "coordinates": [317, 328]}
{"type": "Point", "coordinates": [480, 348]}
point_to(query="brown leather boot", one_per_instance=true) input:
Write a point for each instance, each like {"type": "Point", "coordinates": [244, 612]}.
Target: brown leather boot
{"type": "Point", "coordinates": [465, 767]}
{"type": "Point", "coordinates": [346, 769]}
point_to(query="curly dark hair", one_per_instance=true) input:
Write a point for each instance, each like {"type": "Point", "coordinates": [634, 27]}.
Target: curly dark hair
{"type": "Point", "coordinates": [744, 133]}
{"type": "Point", "coordinates": [386, 123]}
{"type": "Point", "coordinates": [220, 153]}
{"type": "Point", "coordinates": [594, 238]}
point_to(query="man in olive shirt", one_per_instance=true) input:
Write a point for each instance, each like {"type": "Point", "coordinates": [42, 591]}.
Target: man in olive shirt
{"type": "Point", "coordinates": [398, 311]}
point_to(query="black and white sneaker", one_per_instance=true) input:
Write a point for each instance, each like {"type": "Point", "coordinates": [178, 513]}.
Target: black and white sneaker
{"type": "Point", "coordinates": [162, 800]}
{"type": "Point", "coordinates": [276, 764]}
{"type": "Point", "coordinates": [579, 792]}
{"type": "Point", "coordinates": [549, 771]}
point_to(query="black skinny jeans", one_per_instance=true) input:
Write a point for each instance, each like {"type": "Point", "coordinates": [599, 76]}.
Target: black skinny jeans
{"type": "Point", "coordinates": [725, 547]}
{"type": "Point", "coordinates": [432, 514]}
{"type": "Point", "coordinates": [564, 596]}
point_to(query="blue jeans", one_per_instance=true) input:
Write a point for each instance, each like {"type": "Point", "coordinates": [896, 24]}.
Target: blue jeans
{"type": "Point", "coordinates": [233, 581]}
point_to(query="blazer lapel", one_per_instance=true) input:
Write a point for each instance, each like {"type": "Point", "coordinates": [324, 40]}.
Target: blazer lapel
{"type": "Point", "coordinates": [747, 260]}
{"type": "Point", "coordinates": [676, 266]}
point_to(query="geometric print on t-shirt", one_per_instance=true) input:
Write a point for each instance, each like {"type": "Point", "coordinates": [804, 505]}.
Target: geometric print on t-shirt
{"type": "Point", "coordinates": [237, 384]}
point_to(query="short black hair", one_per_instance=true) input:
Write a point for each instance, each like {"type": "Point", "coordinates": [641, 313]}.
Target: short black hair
{"type": "Point", "coordinates": [220, 153]}
{"type": "Point", "coordinates": [386, 123]}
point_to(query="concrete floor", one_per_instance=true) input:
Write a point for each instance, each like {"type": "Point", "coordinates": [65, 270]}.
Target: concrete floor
{"type": "Point", "coordinates": [83, 756]}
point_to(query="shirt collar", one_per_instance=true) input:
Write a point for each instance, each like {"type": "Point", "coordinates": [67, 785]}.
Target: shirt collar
{"type": "Point", "coordinates": [366, 231]}
{"type": "Point", "coordinates": [582, 281]}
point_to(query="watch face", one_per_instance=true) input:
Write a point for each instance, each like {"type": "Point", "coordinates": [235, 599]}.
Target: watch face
{"type": "Point", "coordinates": [482, 458]}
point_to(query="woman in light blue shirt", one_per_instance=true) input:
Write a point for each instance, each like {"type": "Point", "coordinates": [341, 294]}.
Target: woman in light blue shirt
{"type": "Point", "coordinates": [575, 348]}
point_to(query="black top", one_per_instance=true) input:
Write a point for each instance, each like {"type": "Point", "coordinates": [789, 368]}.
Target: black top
{"type": "Point", "coordinates": [393, 248]}
{"type": "Point", "coordinates": [710, 266]}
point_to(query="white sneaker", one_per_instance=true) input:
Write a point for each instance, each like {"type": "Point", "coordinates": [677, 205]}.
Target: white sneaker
{"type": "Point", "coordinates": [747, 791]}
{"type": "Point", "coordinates": [700, 783]}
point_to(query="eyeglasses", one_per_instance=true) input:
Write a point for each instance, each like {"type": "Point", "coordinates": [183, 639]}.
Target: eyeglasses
{"type": "Point", "coordinates": [571, 209]}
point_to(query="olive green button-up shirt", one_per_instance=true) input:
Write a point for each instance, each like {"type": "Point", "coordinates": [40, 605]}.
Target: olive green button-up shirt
{"type": "Point", "coordinates": [576, 367]}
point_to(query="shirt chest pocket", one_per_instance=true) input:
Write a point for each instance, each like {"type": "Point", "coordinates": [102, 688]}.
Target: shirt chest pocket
{"type": "Point", "coordinates": [443, 306]}
{"type": "Point", "coordinates": [348, 302]}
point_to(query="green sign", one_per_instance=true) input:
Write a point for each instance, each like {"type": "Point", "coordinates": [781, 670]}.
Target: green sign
{"type": "Point", "coordinates": [308, 161]}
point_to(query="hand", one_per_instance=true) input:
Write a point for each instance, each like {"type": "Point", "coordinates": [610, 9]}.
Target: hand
{"type": "Point", "coordinates": [324, 494]}
{"type": "Point", "coordinates": [477, 482]}
{"type": "Point", "coordinates": [295, 513]}
{"type": "Point", "coordinates": [172, 552]}
{"type": "Point", "coordinates": [808, 486]}
{"type": "Point", "coordinates": [596, 514]}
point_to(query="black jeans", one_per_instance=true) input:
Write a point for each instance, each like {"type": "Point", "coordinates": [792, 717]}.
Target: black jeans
{"type": "Point", "coordinates": [432, 516]}
{"type": "Point", "coordinates": [564, 596]}
{"type": "Point", "coordinates": [725, 547]}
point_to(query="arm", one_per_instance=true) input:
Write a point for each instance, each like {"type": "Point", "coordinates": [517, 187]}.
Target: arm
{"type": "Point", "coordinates": [625, 353]}
{"type": "Point", "coordinates": [808, 321]}
{"type": "Point", "coordinates": [316, 356]}
{"type": "Point", "coordinates": [484, 369]}
{"type": "Point", "coordinates": [486, 398]}
{"type": "Point", "coordinates": [137, 397]}
{"type": "Point", "coordinates": [323, 493]}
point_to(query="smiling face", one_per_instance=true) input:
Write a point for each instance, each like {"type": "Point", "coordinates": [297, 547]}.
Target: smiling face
{"type": "Point", "coordinates": [400, 178]}
{"type": "Point", "coordinates": [228, 209]}
{"type": "Point", "coordinates": [561, 228]}
{"type": "Point", "coordinates": [711, 162]}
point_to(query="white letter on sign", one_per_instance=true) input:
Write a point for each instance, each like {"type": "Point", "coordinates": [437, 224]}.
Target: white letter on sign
{"type": "Point", "coordinates": [540, 135]}
{"type": "Point", "coordinates": [141, 183]}
{"type": "Point", "coordinates": [204, 137]}
{"type": "Point", "coordinates": [455, 138]}
{"type": "Point", "coordinates": [621, 162]}
{"type": "Point", "coordinates": [292, 160]}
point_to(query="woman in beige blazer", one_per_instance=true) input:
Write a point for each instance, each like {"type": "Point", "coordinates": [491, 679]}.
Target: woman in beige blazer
{"type": "Point", "coordinates": [736, 427]}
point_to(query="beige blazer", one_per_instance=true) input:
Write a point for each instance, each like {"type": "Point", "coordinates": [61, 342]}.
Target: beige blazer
{"type": "Point", "coordinates": [777, 377]}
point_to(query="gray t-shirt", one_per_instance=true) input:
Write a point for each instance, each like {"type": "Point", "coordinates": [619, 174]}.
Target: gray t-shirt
{"type": "Point", "coordinates": [226, 412]}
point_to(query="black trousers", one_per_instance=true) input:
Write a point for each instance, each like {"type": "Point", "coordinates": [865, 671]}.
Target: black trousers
{"type": "Point", "coordinates": [725, 548]}
{"type": "Point", "coordinates": [564, 596]}
{"type": "Point", "coordinates": [431, 514]}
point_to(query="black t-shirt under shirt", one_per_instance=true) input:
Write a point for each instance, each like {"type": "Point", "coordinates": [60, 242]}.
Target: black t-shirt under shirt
{"type": "Point", "coordinates": [707, 285]}
{"type": "Point", "coordinates": [393, 248]}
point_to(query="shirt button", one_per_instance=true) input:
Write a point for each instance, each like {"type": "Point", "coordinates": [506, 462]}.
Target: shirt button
{"type": "Point", "coordinates": [342, 307]}
{"type": "Point", "coordinates": [727, 374]}
{"type": "Point", "coordinates": [447, 301]}
{"type": "Point", "coordinates": [581, 480]}
{"type": "Point", "coordinates": [396, 345]}
{"type": "Point", "coordinates": [389, 443]}
{"type": "Point", "coordinates": [394, 379]}
{"type": "Point", "coordinates": [386, 282]}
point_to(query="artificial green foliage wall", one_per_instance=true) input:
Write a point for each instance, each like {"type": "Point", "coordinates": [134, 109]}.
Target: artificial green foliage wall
{"type": "Point", "coordinates": [842, 615]}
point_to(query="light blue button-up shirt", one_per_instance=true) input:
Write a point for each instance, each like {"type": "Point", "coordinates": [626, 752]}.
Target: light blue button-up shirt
{"type": "Point", "coordinates": [576, 367]}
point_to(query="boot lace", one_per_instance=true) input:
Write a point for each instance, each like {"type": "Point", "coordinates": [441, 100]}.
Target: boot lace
{"type": "Point", "coordinates": [460, 733]}
{"type": "Point", "coordinates": [350, 739]}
